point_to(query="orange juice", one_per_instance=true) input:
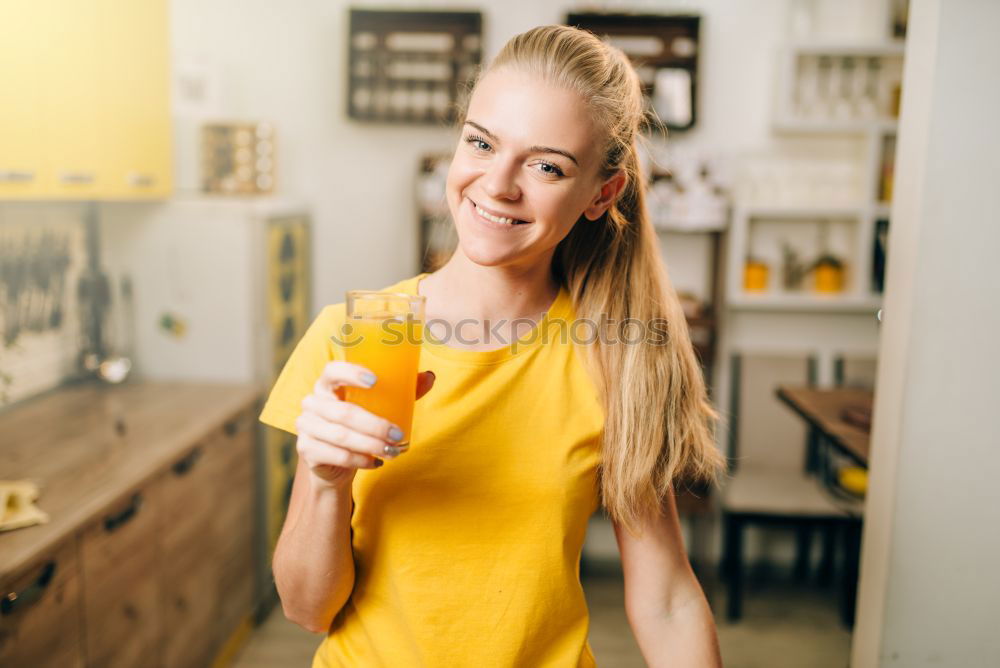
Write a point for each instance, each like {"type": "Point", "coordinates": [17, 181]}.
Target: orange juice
{"type": "Point", "coordinates": [386, 340]}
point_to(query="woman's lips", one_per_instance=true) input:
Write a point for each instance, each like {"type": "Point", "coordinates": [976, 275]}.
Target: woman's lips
{"type": "Point", "coordinates": [490, 217]}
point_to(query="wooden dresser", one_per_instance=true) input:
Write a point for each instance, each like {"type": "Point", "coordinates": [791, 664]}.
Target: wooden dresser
{"type": "Point", "coordinates": [150, 556]}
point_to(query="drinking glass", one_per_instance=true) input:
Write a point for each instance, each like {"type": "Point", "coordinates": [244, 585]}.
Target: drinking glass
{"type": "Point", "coordinates": [384, 333]}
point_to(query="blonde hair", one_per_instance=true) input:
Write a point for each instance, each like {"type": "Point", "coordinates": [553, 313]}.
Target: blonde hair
{"type": "Point", "coordinates": [659, 425]}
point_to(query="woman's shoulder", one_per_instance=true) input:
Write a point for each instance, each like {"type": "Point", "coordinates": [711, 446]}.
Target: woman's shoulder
{"type": "Point", "coordinates": [407, 285]}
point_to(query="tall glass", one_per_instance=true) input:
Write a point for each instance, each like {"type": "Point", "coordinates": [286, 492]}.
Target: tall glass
{"type": "Point", "coordinates": [384, 335]}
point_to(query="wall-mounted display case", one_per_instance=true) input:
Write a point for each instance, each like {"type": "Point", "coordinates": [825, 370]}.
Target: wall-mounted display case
{"type": "Point", "coordinates": [410, 67]}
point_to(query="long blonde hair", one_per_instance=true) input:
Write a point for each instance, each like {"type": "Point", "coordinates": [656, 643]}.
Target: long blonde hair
{"type": "Point", "coordinates": [659, 424]}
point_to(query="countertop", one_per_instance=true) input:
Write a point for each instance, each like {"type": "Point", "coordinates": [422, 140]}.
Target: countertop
{"type": "Point", "coordinates": [87, 445]}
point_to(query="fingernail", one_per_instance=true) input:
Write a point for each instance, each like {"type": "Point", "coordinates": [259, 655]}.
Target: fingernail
{"type": "Point", "coordinates": [378, 463]}
{"type": "Point", "coordinates": [395, 434]}
{"type": "Point", "coordinates": [433, 375]}
{"type": "Point", "coordinates": [392, 451]}
{"type": "Point", "coordinates": [367, 379]}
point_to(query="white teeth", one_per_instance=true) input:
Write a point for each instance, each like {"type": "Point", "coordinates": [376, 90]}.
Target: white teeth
{"type": "Point", "coordinates": [495, 219]}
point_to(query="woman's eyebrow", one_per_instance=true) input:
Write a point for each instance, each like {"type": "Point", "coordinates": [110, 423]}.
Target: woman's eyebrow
{"type": "Point", "coordinates": [532, 149]}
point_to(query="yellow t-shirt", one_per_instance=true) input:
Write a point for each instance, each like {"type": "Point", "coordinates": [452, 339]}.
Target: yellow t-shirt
{"type": "Point", "coordinates": [467, 547]}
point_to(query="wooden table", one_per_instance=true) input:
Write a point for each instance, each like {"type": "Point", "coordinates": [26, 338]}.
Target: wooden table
{"type": "Point", "coordinates": [823, 411]}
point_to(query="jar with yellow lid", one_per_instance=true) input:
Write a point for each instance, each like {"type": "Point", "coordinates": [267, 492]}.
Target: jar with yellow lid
{"type": "Point", "coordinates": [755, 276]}
{"type": "Point", "coordinates": [828, 273]}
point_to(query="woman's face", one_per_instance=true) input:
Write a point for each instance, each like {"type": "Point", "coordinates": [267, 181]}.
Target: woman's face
{"type": "Point", "coordinates": [528, 153]}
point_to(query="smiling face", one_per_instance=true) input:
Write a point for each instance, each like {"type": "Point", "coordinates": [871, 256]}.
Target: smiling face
{"type": "Point", "coordinates": [528, 153]}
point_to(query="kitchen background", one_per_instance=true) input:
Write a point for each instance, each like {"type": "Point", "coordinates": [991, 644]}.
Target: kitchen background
{"type": "Point", "coordinates": [184, 185]}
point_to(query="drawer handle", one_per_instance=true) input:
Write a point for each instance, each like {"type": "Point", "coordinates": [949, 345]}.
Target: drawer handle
{"type": "Point", "coordinates": [138, 180]}
{"type": "Point", "coordinates": [17, 176]}
{"type": "Point", "coordinates": [234, 427]}
{"type": "Point", "coordinates": [184, 465]}
{"type": "Point", "coordinates": [77, 178]}
{"type": "Point", "coordinates": [114, 522]}
{"type": "Point", "coordinates": [16, 600]}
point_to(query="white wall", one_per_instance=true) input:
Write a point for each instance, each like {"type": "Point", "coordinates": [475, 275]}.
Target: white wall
{"type": "Point", "coordinates": [286, 62]}
{"type": "Point", "coordinates": [931, 545]}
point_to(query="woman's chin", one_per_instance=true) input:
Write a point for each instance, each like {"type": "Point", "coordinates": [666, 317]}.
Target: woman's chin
{"type": "Point", "coordinates": [486, 254]}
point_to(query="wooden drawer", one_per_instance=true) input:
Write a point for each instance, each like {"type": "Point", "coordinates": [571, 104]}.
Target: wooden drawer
{"type": "Point", "coordinates": [203, 480]}
{"type": "Point", "coordinates": [233, 447]}
{"type": "Point", "coordinates": [235, 590]}
{"type": "Point", "coordinates": [187, 567]}
{"type": "Point", "coordinates": [190, 585]}
{"type": "Point", "coordinates": [121, 587]}
{"type": "Point", "coordinates": [40, 613]}
{"type": "Point", "coordinates": [187, 497]}
{"type": "Point", "coordinates": [234, 468]}
{"type": "Point", "coordinates": [208, 551]}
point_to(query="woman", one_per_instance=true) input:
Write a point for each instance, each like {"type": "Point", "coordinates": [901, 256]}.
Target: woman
{"type": "Point", "coordinates": [465, 549]}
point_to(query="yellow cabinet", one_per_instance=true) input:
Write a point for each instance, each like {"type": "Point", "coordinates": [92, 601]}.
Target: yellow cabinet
{"type": "Point", "coordinates": [86, 111]}
{"type": "Point", "coordinates": [21, 161]}
{"type": "Point", "coordinates": [71, 101]}
{"type": "Point", "coordinates": [135, 78]}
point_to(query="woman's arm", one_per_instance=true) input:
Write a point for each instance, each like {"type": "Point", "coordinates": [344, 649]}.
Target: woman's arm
{"type": "Point", "coordinates": [313, 563]}
{"type": "Point", "coordinates": [665, 605]}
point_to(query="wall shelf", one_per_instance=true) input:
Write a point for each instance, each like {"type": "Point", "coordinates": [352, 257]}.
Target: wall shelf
{"type": "Point", "coordinates": [825, 88]}
{"type": "Point", "coordinates": [762, 231]}
{"type": "Point", "coordinates": [782, 212]}
{"type": "Point", "coordinates": [792, 125]}
{"type": "Point", "coordinates": [838, 88]}
{"type": "Point", "coordinates": [805, 302]}
{"type": "Point", "coordinates": [858, 49]}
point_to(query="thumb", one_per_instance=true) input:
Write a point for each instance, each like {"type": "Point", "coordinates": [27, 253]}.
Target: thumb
{"type": "Point", "coordinates": [425, 381]}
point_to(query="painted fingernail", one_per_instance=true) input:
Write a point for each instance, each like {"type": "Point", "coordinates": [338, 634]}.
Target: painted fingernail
{"type": "Point", "coordinates": [378, 463]}
{"type": "Point", "coordinates": [392, 451]}
{"type": "Point", "coordinates": [395, 434]}
{"type": "Point", "coordinates": [367, 378]}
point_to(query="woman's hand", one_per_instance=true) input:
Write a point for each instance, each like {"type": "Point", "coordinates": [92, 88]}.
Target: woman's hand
{"type": "Point", "coordinates": [337, 437]}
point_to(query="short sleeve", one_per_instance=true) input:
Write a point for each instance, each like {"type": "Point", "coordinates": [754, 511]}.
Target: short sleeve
{"type": "Point", "coordinates": [303, 368]}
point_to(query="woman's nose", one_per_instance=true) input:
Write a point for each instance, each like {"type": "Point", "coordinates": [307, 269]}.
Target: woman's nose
{"type": "Point", "coordinates": [500, 181]}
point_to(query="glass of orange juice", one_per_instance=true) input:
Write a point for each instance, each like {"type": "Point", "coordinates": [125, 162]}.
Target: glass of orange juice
{"type": "Point", "coordinates": [384, 335]}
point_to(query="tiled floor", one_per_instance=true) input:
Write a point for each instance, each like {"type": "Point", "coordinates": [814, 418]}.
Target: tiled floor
{"type": "Point", "coordinates": [784, 626]}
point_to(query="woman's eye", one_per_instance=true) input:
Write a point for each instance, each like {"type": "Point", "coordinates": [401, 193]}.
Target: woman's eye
{"type": "Point", "coordinates": [478, 143]}
{"type": "Point", "coordinates": [549, 168]}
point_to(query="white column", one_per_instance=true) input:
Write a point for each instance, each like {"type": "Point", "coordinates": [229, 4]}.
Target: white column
{"type": "Point", "coordinates": [930, 582]}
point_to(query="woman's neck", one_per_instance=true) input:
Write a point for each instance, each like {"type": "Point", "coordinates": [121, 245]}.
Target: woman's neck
{"type": "Point", "coordinates": [463, 289]}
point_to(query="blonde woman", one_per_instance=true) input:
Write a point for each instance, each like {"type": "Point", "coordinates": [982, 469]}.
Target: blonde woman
{"type": "Point", "coordinates": [464, 550]}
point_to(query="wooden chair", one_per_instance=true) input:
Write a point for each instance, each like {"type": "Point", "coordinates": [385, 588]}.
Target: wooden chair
{"type": "Point", "coordinates": [768, 484]}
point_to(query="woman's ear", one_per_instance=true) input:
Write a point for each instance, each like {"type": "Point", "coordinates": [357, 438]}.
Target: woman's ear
{"type": "Point", "coordinates": [606, 197]}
